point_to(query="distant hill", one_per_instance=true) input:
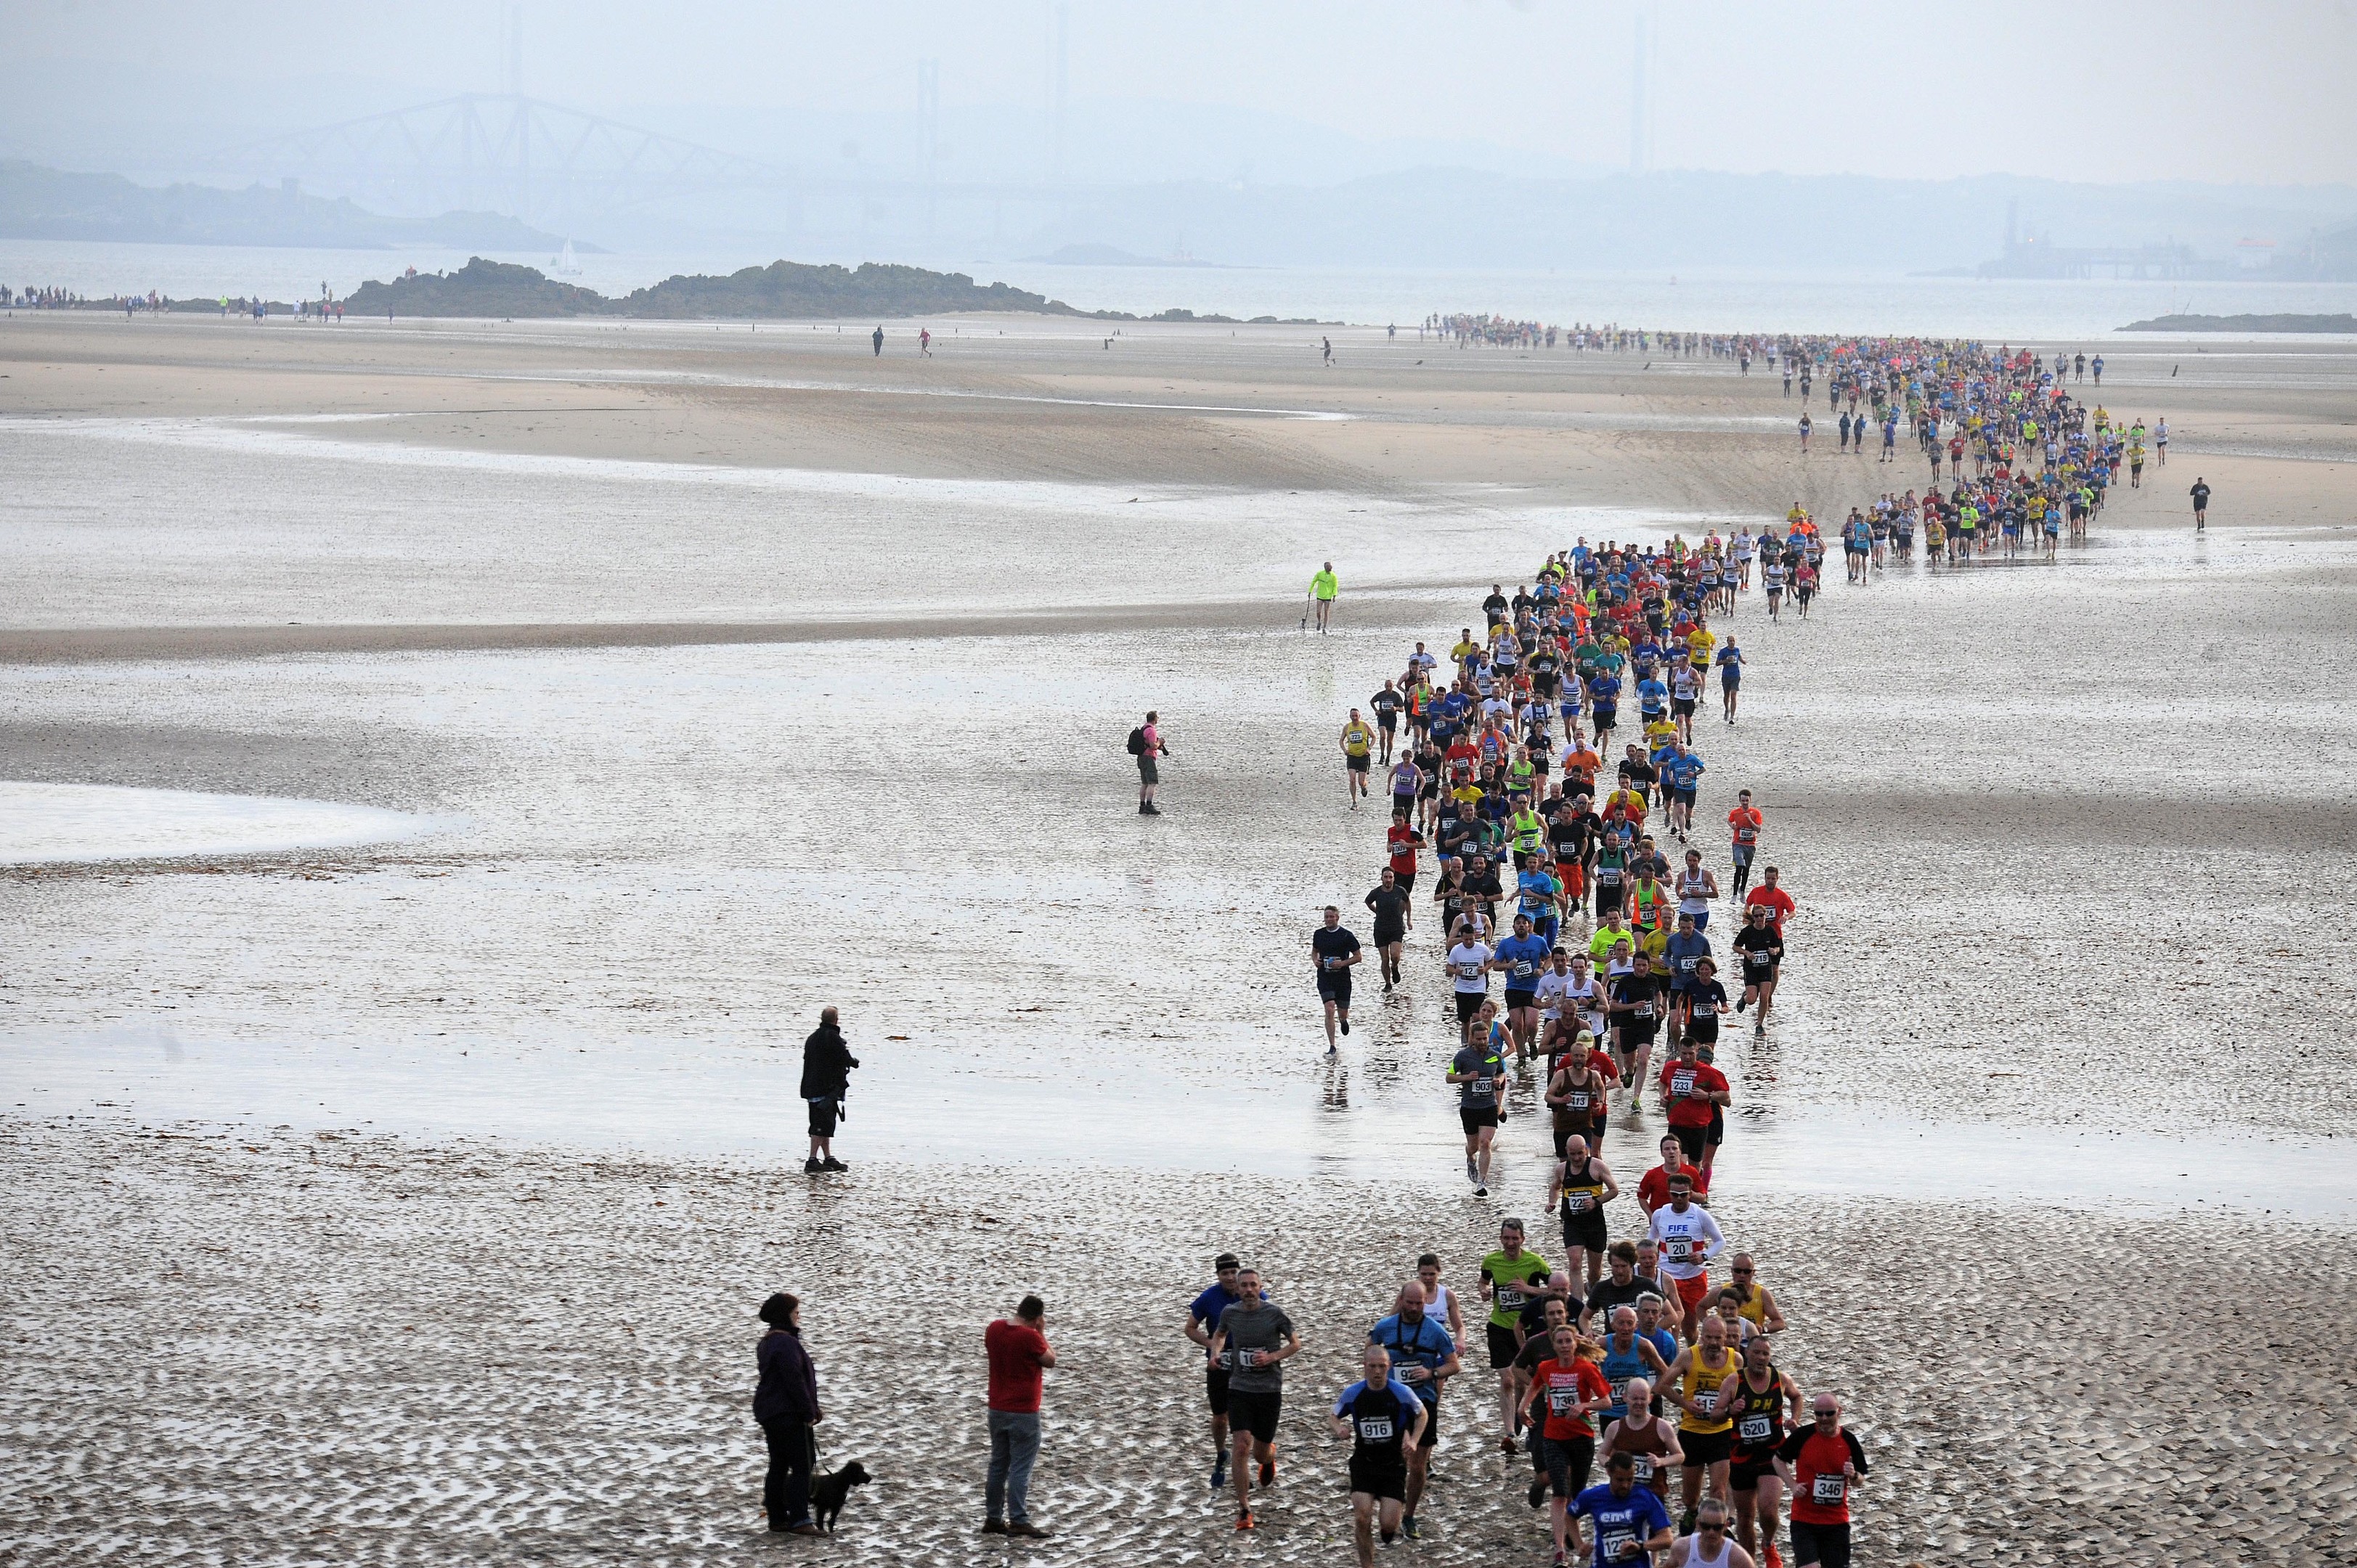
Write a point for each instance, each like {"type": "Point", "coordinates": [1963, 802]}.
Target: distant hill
{"type": "Point", "coordinates": [2343, 322]}
{"type": "Point", "coordinates": [793, 290]}
{"type": "Point", "coordinates": [38, 203]}
{"type": "Point", "coordinates": [787, 290]}
{"type": "Point", "coordinates": [480, 289]}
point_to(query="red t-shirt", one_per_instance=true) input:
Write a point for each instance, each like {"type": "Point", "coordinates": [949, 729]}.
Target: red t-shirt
{"type": "Point", "coordinates": [1016, 1351]}
{"type": "Point", "coordinates": [1691, 1113]}
{"type": "Point", "coordinates": [1653, 1186]}
{"type": "Point", "coordinates": [1572, 1386]}
{"type": "Point", "coordinates": [1779, 903]}
{"type": "Point", "coordinates": [1402, 846]}
{"type": "Point", "coordinates": [1746, 820]}
{"type": "Point", "coordinates": [1820, 1491]}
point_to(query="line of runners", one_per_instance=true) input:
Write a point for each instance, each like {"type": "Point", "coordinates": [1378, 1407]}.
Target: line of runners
{"type": "Point", "coordinates": [1628, 1354]}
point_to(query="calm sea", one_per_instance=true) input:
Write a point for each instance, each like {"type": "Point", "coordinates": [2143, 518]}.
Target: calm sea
{"type": "Point", "coordinates": [1716, 301]}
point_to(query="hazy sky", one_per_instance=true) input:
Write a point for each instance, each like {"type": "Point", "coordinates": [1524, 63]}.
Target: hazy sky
{"type": "Point", "coordinates": [2258, 91]}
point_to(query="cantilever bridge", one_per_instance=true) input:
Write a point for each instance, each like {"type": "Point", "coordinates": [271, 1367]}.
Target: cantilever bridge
{"type": "Point", "coordinates": [505, 152]}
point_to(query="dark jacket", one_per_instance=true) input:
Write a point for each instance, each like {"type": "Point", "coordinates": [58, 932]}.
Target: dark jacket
{"type": "Point", "coordinates": [789, 1387]}
{"type": "Point", "coordinates": [826, 1064]}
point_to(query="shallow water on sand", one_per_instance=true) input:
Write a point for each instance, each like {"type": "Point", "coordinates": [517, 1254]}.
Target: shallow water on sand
{"type": "Point", "coordinates": [2004, 796]}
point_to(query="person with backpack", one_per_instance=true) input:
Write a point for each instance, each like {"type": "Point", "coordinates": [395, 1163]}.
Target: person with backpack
{"type": "Point", "coordinates": [1145, 745]}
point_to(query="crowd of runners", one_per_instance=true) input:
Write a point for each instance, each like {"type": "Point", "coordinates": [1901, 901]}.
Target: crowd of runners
{"type": "Point", "coordinates": [1550, 765]}
{"type": "Point", "coordinates": [1599, 937]}
{"type": "Point", "coordinates": [1466, 330]}
{"type": "Point", "coordinates": [2042, 459]}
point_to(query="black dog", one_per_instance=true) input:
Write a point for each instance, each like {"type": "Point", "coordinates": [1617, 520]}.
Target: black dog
{"type": "Point", "coordinates": [831, 1492]}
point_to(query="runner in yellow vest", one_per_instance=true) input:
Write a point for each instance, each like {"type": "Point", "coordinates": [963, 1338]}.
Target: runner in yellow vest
{"type": "Point", "coordinates": [1323, 589]}
{"type": "Point", "coordinates": [1358, 743]}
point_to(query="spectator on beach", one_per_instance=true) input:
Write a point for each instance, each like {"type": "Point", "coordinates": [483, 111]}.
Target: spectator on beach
{"type": "Point", "coordinates": [1146, 744]}
{"type": "Point", "coordinates": [826, 1079]}
{"type": "Point", "coordinates": [1018, 1353]}
{"type": "Point", "coordinates": [785, 1401]}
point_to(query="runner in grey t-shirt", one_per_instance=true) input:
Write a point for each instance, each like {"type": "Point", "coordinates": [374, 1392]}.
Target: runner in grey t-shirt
{"type": "Point", "coordinates": [1258, 1337]}
{"type": "Point", "coordinates": [1253, 1327]}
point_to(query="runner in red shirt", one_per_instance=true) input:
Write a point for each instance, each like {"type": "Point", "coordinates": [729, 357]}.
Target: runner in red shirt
{"type": "Point", "coordinates": [1778, 902]}
{"type": "Point", "coordinates": [1653, 1186]}
{"type": "Point", "coordinates": [1745, 822]}
{"type": "Point", "coordinates": [1573, 1387]}
{"type": "Point", "coordinates": [1692, 1089]}
{"type": "Point", "coordinates": [1826, 1462]}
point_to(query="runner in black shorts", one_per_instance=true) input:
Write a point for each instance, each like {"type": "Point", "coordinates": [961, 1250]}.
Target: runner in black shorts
{"type": "Point", "coordinates": [1760, 1395]}
{"type": "Point", "coordinates": [1382, 1417]}
{"type": "Point", "coordinates": [1202, 1321]}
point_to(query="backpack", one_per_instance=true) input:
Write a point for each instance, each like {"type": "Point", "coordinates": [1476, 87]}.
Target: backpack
{"type": "Point", "coordinates": [1137, 741]}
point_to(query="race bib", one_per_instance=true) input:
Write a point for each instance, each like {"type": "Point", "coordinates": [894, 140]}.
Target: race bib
{"type": "Point", "coordinates": [1677, 1248]}
{"type": "Point", "coordinates": [1375, 1429]}
{"type": "Point", "coordinates": [1576, 1099]}
{"type": "Point", "coordinates": [1578, 1202]}
{"type": "Point", "coordinates": [1756, 1429]}
{"type": "Point", "coordinates": [1706, 1009]}
{"type": "Point", "coordinates": [1827, 1492]}
{"type": "Point", "coordinates": [1682, 1083]}
{"type": "Point", "coordinates": [1563, 1401]}
{"type": "Point", "coordinates": [1621, 1394]}
{"type": "Point", "coordinates": [1247, 1359]}
{"type": "Point", "coordinates": [1618, 1544]}
{"type": "Point", "coordinates": [1511, 1300]}
{"type": "Point", "coordinates": [1644, 1469]}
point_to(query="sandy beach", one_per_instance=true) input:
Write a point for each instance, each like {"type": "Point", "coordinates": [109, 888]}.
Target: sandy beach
{"type": "Point", "coordinates": [409, 1203]}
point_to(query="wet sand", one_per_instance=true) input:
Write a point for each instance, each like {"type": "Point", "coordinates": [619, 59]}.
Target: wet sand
{"type": "Point", "coordinates": [366, 1349]}
{"type": "Point", "coordinates": [730, 740]}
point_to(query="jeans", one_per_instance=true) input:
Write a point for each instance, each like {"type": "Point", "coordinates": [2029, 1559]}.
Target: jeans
{"type": "Point", "coordinates": [1014, 1446]}
{"type": "Point", "coordinates": [785, 1490]}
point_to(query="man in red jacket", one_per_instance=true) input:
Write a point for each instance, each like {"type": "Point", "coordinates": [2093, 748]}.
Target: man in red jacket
{"type": "Point", "coordinates": [1018, 1353]}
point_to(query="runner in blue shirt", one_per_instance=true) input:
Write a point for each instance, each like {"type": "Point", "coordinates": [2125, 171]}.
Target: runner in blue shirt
{"type": "Point", "coordinates": [1202, 1321]}
{"type": "Point", "coordinates": [1604, 703]}
{"type": "Point", "coordinates": [1681, 773]}
{"type": "Point", "coordinates": [1424, 1358]}
{"type": "Point", "coordinates": [1730, 675]}
{"type": "Point", "coordinates": [1523, 957]}
{"type": "Point", "coordinates": [1629, 1520]}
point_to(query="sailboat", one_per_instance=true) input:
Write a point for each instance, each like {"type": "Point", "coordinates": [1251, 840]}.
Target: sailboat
{"type": "Point", "coordinates": [565, 266]}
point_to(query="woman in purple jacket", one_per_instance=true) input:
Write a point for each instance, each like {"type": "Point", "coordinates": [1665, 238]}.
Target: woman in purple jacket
{"type": "Point", "coordinates": [785, 1403]}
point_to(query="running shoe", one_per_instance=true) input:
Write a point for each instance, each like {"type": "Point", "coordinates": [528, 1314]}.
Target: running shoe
{"type": "Point", "coordinates": [1219, 1476]}
{"type": "Point", "coordinates": [1506, 1445]}
{"type": "Point", "coordinates": [811, 1167]}
{"type": "Point", "coordinates": [1775, 1559]}
{"type": "Point", "coordinates": [1472, 1171]}
{"type": "Point", "coordinates": [831, 1164]}
{"type": "Point", "coordinates": [1268, 1475]}
{"type": "Point", "coordinates": [1538, 1493]}
{"type": "Point", "coordinates": [1408, 1527]}
{"type": "Point", "coordinates": [1346, 1025]}
{"type": "Point", "coordinates": [1245, 1521]}
{"type": "Point", "coordinates": [1480, 1191]}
